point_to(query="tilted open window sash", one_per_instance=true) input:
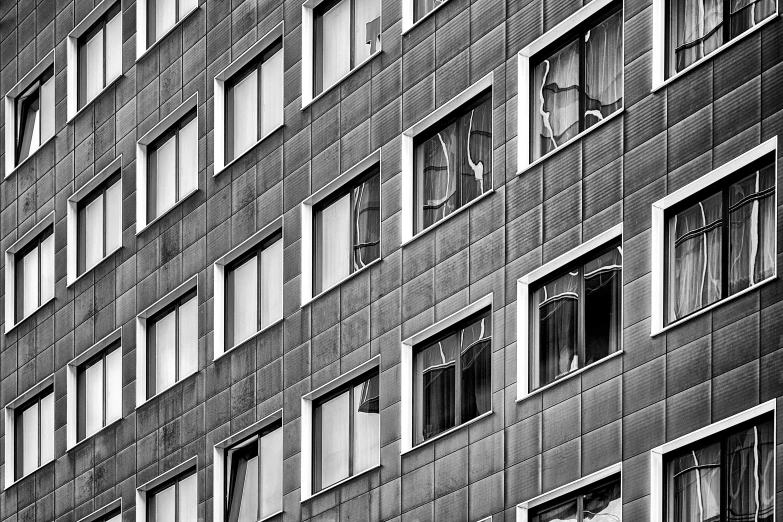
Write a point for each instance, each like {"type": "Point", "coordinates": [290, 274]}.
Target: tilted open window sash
{"type": "Point", "coordinates": [254, 486]}
{"type": "Point", "coordinates": [34, 116]}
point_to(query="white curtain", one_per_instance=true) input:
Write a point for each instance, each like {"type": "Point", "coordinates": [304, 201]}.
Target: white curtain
{"type": "Point", "coordinates": [94, 232]}
{"type": "Point", "coordinates": [694, 486]}
{"type": "Point", "coordinates": [366, 223]}
{"type": "Point", "coordinates": [697, 27]}
{"type": "Point", "coordinates": [113, 217]}
{"type": "Point", "coordinates": [47, 428]}
{"type": "Point", "coordinates": [94, 397]}
{"type": "Point", "coordinates": [113, 385]}
{"type": "Point", "coordinates": [166, 355]}
{"type": "Point", "coordinates": [436, 177]}
{"type": "Point", "coordinates": [746, 14]}
{"type": "Point", "coordinates": [188, 337]}
{"type": "Point", "coordinates": [47, 268]}
{"type": "Point", "coordinates": [603, 69]}
{"type": "Point", "coordinates": [94, 65]}
{"type": "Point", "coordinates": [366, 426]}
{"type": "Point", "coordinates": [30, 300]}
{"type": "Point", "coordinates": [271, 283]}
{"type": "Point", "coordinates": [245, 286]}
{"type": "Point", "coordinates": [272, 102]}
{"type": "Point", "coordinates": [188, 498]}
{"type": "Point", "coordinates": [165, 158]}
{"type": "Point", "coordinates": [271, 473]}
{"type": "Point", "coordinates": [333, 243]}
{"type": "Point", "coordinates": [113, 48]}
{"type": "Point", "coordinates": [165, 16]}
{"type": "Point", "coordinates": [436, 375]}
{"type": "Point", "coordinates": [245, 116]}
{"type": "Point", "coordinates": [335, 440]}
{"type": "Point", "coordinates": [367, 30]}
{"type": "Point", "coordinates": [750, 475]}
{"type": "Point", "coordinates": [248, 507]}
{"type": "Point", "coordinates": [336, 44]}
{"type": "Point", "coordinates": [30, 439]}
{"type": "Point", "coordinates": [188, 158]}
{"type": "Point", "coordinates": [165, 505]}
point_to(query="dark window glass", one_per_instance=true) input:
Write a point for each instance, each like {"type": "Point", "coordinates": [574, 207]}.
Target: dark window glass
{"type": "Point", "coordinates": [453, 162]}
{"type": "Point", "coordinates": [578, 85]}
{"type": "Point", "coordinates": [34, 434]}
{"type": "Point", "coordinates": [99, 392]}
{"type": "Point", "coordinates": [162, 15]}
{"type": "Point", "coordinates": [99, 224]}
{"type": "Point", "coordinates": [726, 478]}
{"type": "Point", "coordinates": [172, 345]}
{"type": "Point", "coordinates": [596, 503]}
{"type": "Point", "coordinates": [100, 55]}
{"type": "Point", "coordinates": [34, 275]}
{"type": "Point", "coordinates": [453, 377]}
{"type": "Point", "coordinates": [172, 167]}
{"type": "Point", "coordinates": [34, 116]}
{"type": "Point", "coordinates": [254, 486]}
{"type": "Point", "coordinates": [707, 260]}
{"type": "Point", "coordinates": [576, 317]}
{"type": "Point", "coordinates": [176, 501]}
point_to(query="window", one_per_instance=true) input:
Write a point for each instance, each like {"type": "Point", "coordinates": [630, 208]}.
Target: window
{"type": "Point", "coordinates": [172, 344]}
{"type": "Point", "coordinates": [453, 162]}
{"type": "Point", "coordinates": [347, 32]}
{"type": "Point", "coordinates": [111, 512]}
{"type": "Point", "coordinates": [34, 109]}
{"type": "Point", "coordinates": [423, 7]}
{"type": "Point", "coordinates": [34, 433]}
{"type": "Point", "coordinates": [34, 273]}
{"type": "Point", "coordinates": [99, 391]}
{"type": "Point", "coordinates": [254, 471]}
{"type": "Point", "coordinates": [346, 432]}
{"type": "Point", "coordinates": [174, 501]}
{"type": "Point", "coordinates": [575, 316]}
{"type": "Point", "coordinates": [162, 15]}
{"type": "Point", "coordinates": [452, 377]}
{"type": "Point", "coordinates": [597, 503]}
{"type": "Point", "coordinates": [100, 224]}
{"type": "Point", "coordinates": [254, 102]}
{"type": "Point", "coordinates": [347, 231]}
{"type": "Point", "coordinates": [254, 290]}
{"type": "Point", "coordinates": [100, 55]}
{"type": "Point", "coordinates": [173, 167]}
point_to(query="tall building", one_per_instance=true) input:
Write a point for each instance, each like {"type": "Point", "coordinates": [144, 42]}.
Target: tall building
{"type": "Point", "coordinates": [390, 260]}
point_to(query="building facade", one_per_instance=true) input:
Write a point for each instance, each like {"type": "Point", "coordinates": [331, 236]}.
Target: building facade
{"type": "Point", "coordinates": [394, 260]}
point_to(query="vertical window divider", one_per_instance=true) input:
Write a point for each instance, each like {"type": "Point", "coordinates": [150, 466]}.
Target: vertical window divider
{"type": "Point", "coordinates": [351, 425]}
{"type": "Point", "coordinates": [352, 30]}
{"type": "Point", "coordinates": [725, 239]}
{"type": "Point", "coordinates": [260, 97]}
{"type": "Point", "coordinates": [581, 348]}
{"type": "Point", "coordinates": [582, 75]}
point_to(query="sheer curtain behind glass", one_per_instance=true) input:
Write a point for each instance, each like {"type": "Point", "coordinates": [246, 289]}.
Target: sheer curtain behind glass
{"type": "Point", "coordinates": [603, 87]}
{"type": "Point", "coordinates": [272, 93]}
{"type": "Point", "coordinates": [366, 425]}
{"type": "Point", "coordinates": [93, 217]}
{"type": "Point", "coordinates": [555, 112]}
{"type": "Point", "coordinates": [367, 29]}
{"type": "Point", "coordinates": [271, 473]}
{"type": "Point", "coordinates": [750, 461]}
{"type": "Point", "coordinates": [697, 29]}
{"type": "Point", "coordinates": [244, 282]}
{"type": "Point", "coordinates": [335, 45]}
{"type": "Point", "coordinates": [271, 283]}
{"type": "Point", "coordinates": [166, 351]}
{"type": "Point", "coordinates": [366, 201]}
{"type": "Point", "coordinates": [188, 338]}
{"type": "Point", "coordinates": [557, 304]}
{"type": "Point", "coordinates": [333, 243]}
{"type": "Point", "coordinates": [244, 102]}
{"type": "Point", "coordinates": [93, 62]}
{"type": "Point", "coordinates": [334, 421]}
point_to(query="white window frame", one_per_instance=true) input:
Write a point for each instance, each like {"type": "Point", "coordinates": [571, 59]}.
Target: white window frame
{"type": "Point", "coordinates": [10, 430]}
{"type": "Point", "coordinates": [659, 45]}
{"type": "Point", "coordinates": [658, 454]}
{"type": "Point", "coordinates": [99, 513]}
{"type": "Point", "coordinates": [408, 170]}
{"type": "Point", "coordinates": [72, 44]}
{"type": "Point", "coordinates": [72, 244]}
{"type": "Point", "coordinates": [141, 28]}
{"type": "Point", "coordinates": [308, 58]}
{"type": "Point", "coordinates": [219, 458]}
{"type": "Point", "coordinates": [659, 208]}
{"type": "Point", "coordinates": [308, 235]}
{"type": "Point", "coordinates": [142, 158]}
{"type": "Point", "coordinates": [219, 325]}
{"type": "Point", "coordinates": [524, 294]}
{"type": "Point", "coordinates": [407, 348]}
{"type": "Point", "coordinates": [523, 509]}
{"type": "Point", "coordinates": [141, 338]}
{"type": "Point", "coordinates": [72, 388]}
{"type": "Point", "coordinates": [308, 410]}
{"type": "Point", "coordinates": [226, 75]}
{"type": "Point", "coordinates": [10, 113]}
{"type": "Point", "coordinates": [407, 15]}
{"type": "Point", "coordinates": [141, 492]}
{"type": "Point", "coordinates": [10, 271]}
{"type": "Point", "coordinates": [527, 56]}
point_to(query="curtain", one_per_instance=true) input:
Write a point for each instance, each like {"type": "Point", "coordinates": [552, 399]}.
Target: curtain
{"type": "Point", "coordinates": [367, 29]}
{"type": "Point", "coordinates": [695, 243]}
{"type": "Point", "coordinates": [367, 223]}
{"type": "Point", "coordinates": [166, 352]}
{"type": "Point", "coordinates": [422, 7]}
{"type": "Point", "coordinates": [165, 160]}
{"type": "Point", "coordinates": [93, 393]}
{"type": "Point", "coordinates": [113, 385]}
{"type": "Point", "coordinates": [93, 64]}
{"type": "Point", "coordinates": [244, 104]}
{"type": "Point", "coordinates": [366, 425]}
{"type": "Point", "coordinates": [476, 152]}
{"type": "Point", "coordinates": [47, 268]}
{"type": "Point", "coordinates": [29, 439]}
{"type": "Point", "coordinates": [436, 367]}
{"type": "Point", "coordinates": [566, 512]}
{"type": "Point", "coordinates": [272, 93]}
{"type": "Point", "coordinates": [603, 504]}
{"type": "Point", "coordinates": [334, 440]}
{"type": "Point", "coordinates": [336, 45]}
{"type": "Point", "coordinates": [271, 283]}
{"type": "Point", "coordinates": [93, 214]}
{"type": "Point", "coordinates": [188, 158]}
{"type": "Point", "coordinates": [751, 229]}
{"type": "Point", "coordinates": [436, 165]}
{"type": "Point", "coordinates": [271, 473]}
{"type": "Point", "coordinates": [244, 286]}
{"type": "Point", "coordinates": [188, 499]}
{"type": "Point", "coordinates": [188, 337]}
{"type": "Point", "coordinates": [113, 48]}
{"type": "Point", "coordinates": [603, 69]}
{"type": "Point", "coordinates": [30, 284]}
{"type": "Point", "coordinates": [555, 100]}
{"type": "Point", "coordinates": [750, 493]}
{"type": "Point", "coordinates": [603, 288]}
{"type": "Point", "coordinates": [113, 217]}
{"type": "Point", "coordinates": [333, 243]}
{"type": "Point", "coordinates": [558, 317]}
{"type": "Point", "coordinates": [47, 110]}
{"type": "Point", "coordinates": [746, 14]}
{"type": "Point", "coordinates": [165, 16]}
{"type": "Point", "coordinates": [698, 29]}
{"type": "Point", "coordinates": [165, 505]}
{"type": "Point", "coordinates": [694, 485]}
{"type": "Point", "coordinates": [476, 369]}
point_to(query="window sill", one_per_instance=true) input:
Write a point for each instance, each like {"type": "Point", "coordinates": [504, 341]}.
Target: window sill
{"type": "Point", "coordinates": [340, 483]}
{"type": "Point", "coordinates": [93, 267]}
{"type": "Point", "coordinates": [446, 433]}
{"type": "Point", "coordinates": [253, 336]}
{"type": "Point", "coordinates": [341, 79]}
{"type": "Point", "coordinates": [525, 168]}
{"type": "Point", "coordinates": [161, 392]}
{"type": "Point", "coordinates": [464, 207]}
{"type": "Point", "coordinates": [33, 472]}
{"type": "Point", "coordinates": [716, 52]}
{"type": "Point", "coordinates": [28, 316]}
{"type": "Point", "coordinates": [30, 156]}
{"type": "Point", "coordinates": [85, 439]}
{"type": "Point", "coordinates": [341, 281]}
{"type": "Point", "coordinates": [406, 30]}
{"type": "Point", "coordinates": [92, 100]}
{"type": "Point", "coordinates": [256, 144]}
{"type": "Point", "coordinates": [541, 389]}
{"type": "Point", "coordinates": [164, 35]}
{"type": "Point", "coordinates": [175, 205]}
{"type": "Point", "coordinates": [657, 331]}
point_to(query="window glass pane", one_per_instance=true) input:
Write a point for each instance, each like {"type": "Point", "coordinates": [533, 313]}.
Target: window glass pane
{"type": "Point", "coordinates": [188, 337]}
{"type": "Point", "coordinates": [248, 508]}
{"type": "Point", "coordinates": [47, 428]}
{"type": "Point", "coordinates": [188, 158]}
{"type": "Point", "coordinates": [185, 6]}
{"type": "Point", "coordinates": [366, 223]}
{"type": "Point", "coordinates": [272, 283]}
{"type": "Point", "coordinates": [94, 232]}
{"type": "Point", "coordinates": [603, 69]}
{"type": "Point", "coordinates": [366, 425]}
{"type": "Point", "coordinates": [115, 518]}
{"type": "Point", "coordinates": [475, 149]}
{"type": "Point", "coordinates": [165, 505]}
{"type": "Point", "coordinates": [435, 388]}
{"type": "Point", "coordinates": [563, 513]}
{"type": "Point", "coordinates": [29, 130]}
{"type": "Point", "coordinates": [272, 93]}
{"type": "Point", "coordinates": [165, 16]}
{"type": "Point", "coordinates": [367, 31]}
{"type": "Point", "coordinates": [604, 504]}
{"type": "Point", "coordinates": [697, 29]}
{"type": "Point", "coordinates": [557, 305]}
{"type": "Point", "coordinates": [188, 499]}
{"type": "Point", "coordinates": [30, 440]}
{"type": "Point", "coordinates": [94, 65]}
{"type": "Point", "coordinates": [336, 44]}
{"type": "Point", "coordinates": [422, 7]}
{"type": "Point", "coordinates": [166, 358]}
{"type": "Point", "coordinates": [113, 48]}
{"type": "Point", "coordinates": [30, 282]}
{"type": "Point", "coordinates": [93, 392]}
{"type": "Point", "coordinates": [245, 300]}
{"type": "Point", "coordinates": [436, 177]}
{"type": "Point", "coordinates": [694, 485]}
{"type": "Point", "coordinates": [47, 268]}
{"type": "Point", "coordinates": [113, 385]}
{"type": "Point", "coordinates": [603, 294]}
{"type": "Point", "coordinates": [751, 468]}
{"type": "Point", "coordinates": [555, 100]}
{"type": "Point", "coordinates": [113, 217]}
{"type": "Point", "coordinates": [751, 229]}
{"type": "Point", "coordinates": [746, 14]}
{"type": "Point", "coordinates": [47, 109]}
{"type": "Point", "coordinates": [165, 164]}
{"type": "Point", "coordinates": [245, 117]}
{"type": "Point", "coordinates": [476, 364]}
{"type": "Point", "coordinates": [334, 443]}
{"type": "Point", "coordinates": [333, 243]}
{"type": "Point", "coordinates": [695, 243]}
{"type": "Point", "coordinates": [271, 473]}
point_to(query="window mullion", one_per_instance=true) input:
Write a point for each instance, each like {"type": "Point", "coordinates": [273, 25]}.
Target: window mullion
{"type": "Point", "coordinates": [260, 476]}
{"type": "Point", "coordinates": [581, 339]}
{"type": "Point", "coordinates": [581, 89]}
{"type": "Point", "coordinates": [259, 286]}
{"type": "Point", "coordinates": [352, 40]}
{"type": "Point", "coordinates": [458, 381]}
{"type": "Point", "coordinates": [351, 421]}
{"type": "Point", "coordinates": [725, 247]}
{"type": "Point", "coordinates": [260, 100]}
